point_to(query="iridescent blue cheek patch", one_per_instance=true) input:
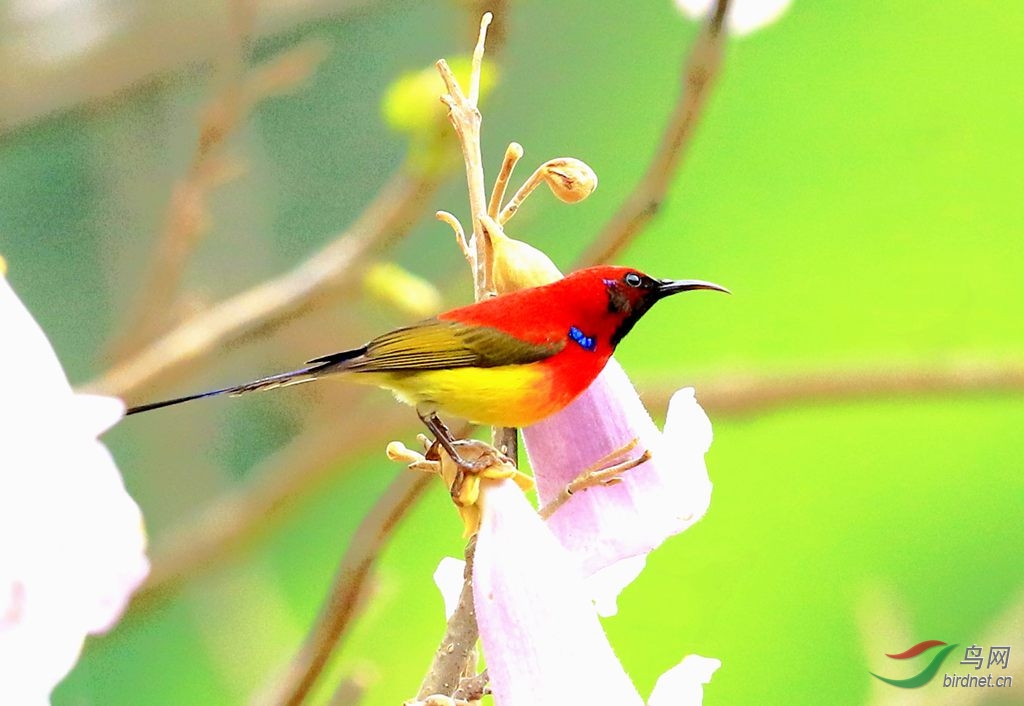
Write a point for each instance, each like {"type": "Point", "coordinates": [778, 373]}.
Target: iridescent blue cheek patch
{"type": "Point", "coordinates": [586, 342]}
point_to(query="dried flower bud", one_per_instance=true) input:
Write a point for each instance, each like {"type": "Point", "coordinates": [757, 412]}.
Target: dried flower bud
{"type": "Point", "coordinates": [400, 453]}
{"type": "Point", "coordinates": [570, 179]}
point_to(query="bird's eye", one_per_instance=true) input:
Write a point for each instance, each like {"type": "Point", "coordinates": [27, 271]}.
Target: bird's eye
{"type": "Point", "coordinates": [633, 279]}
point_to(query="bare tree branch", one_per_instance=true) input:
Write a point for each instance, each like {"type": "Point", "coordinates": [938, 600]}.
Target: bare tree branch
{"type": "Point", "coordinates": [186, 220]}
{"type": "Point", "coordinates": [349, 585]}
{"type": "Point", "coordinates": [747, 393]}
{"type": "Point", "coordinates": [270, 303]}
{"type": "Point", "coordinates": [281, 482]}
{"type": "Point", "coordinates": [700, 71]}
{"type": "Point", "coordinates": [457, 650]}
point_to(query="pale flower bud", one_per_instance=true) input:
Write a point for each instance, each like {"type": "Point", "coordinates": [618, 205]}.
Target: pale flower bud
{"type": "Point", "coordinates": [400, 453]}
{"type": "Point", "coordinates": [519, 265]}
{"type": "Point", "coordinates": [570, 179]}
{"type": "Point", "coordinates": [402, 289]}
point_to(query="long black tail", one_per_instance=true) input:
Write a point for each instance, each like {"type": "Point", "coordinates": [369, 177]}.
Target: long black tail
{"type": "Point", "coordinates": [319, 368]}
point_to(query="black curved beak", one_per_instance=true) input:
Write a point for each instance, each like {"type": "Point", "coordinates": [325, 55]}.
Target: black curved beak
{"type": "Point", "coordinates": [667, 287]}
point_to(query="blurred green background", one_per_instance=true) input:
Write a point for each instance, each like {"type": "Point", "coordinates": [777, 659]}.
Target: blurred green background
{"type": "Point", "coordinates": [857, 182]}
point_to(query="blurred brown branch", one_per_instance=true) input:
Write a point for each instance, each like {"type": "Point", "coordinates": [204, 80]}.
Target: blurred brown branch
{"type": "Point", "coordinates": [187, 219]}
{"type": "Point", "coordinates": [158, 41]}
{"type": "Point", "coordinates": [281, 482]}
{"type": "Point", "coordinates": [700, 71]}
{"type": "Point", "coordinates": [350, 692]}
{"type": "Point", "coordinates": [347, 590]}
{"type": "Point", "coordinates": [272, 302]}
{"type": "Point", "coordinates": [747, 393]}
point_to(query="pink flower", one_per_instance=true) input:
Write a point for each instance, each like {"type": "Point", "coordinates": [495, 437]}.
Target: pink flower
{"type": "Point", "coordinates": [610, 529]}
{"type": "Point", "coordinates": [542, 640]}
{"type": "Point", "coordinates": [534, 581]}
{"type": "Point", "coordinates": [72, 545]}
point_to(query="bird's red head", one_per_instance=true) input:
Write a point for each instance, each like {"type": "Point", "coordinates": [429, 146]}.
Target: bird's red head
{"type": "Point", "coordinates": [610, 300]}
{"type": "Point", "coordinates": [593, 308]}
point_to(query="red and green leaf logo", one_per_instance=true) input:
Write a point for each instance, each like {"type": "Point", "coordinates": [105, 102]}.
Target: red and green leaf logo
{"type": "Point", "coordinates": [926, 674]}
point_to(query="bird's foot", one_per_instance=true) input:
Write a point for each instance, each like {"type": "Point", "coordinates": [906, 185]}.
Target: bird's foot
{"type": "Point", "coordinates": [464, 466]}
{"type": "Point", "coordinates": [476, 456]}
{"type": "Point", "coordinates": [470, 458]}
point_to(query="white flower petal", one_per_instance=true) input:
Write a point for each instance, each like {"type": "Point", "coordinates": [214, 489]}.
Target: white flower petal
{"type": "Point", "coordinates": [542, 640]}
{"type": "Point", "coordinates": [97, 413]}
{"type": "Point", "coordinates": [683, 685]}
{"type": "Point", "coordinates": [605, 585]}
{"type": "Point", "coordinates": [606, 524]}
{"type": "Point", "coordinates": [32, 371]}
{"type": "Point", "coordinates": [72, 545]}
{"type": "Point", "coordinates": [686, 439]}
{"type": "Point", "coordinates": [743, 16]}
{"type": "Point", "coordinates": [449, 578]}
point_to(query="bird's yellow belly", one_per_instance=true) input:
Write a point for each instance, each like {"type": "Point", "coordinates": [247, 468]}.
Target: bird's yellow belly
{"type": "Point", "coordinates": [510, 395]}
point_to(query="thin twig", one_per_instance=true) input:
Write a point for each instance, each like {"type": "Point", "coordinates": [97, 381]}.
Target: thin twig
{"type": "Point", "coordinates": [497, 31]}
{"type": "Point", "coordinates": [349, 584]}
{"type": "Point", "coordinates": [590, 479]}
{"type": "Point", "coordinates": [186, 221]}
{"type": "Point", "coordinates": [460, 235]}
{"type": "Point", "coordinates": [747, 393]}
{"type": "Point", "coordinates": [464, 114]}
{"type": "Point", "coordinates": [280, 483]}
{"type": "Point", "coordinates": [458, 647]}
{"type": "Point", "coordinates": [465, 117]}
{"type": "Point", "coordinates": [700, 71]}
{"type": "Point", "coordinates": [528, 187]}
{"type": "Point", "coordinates": [274, 301]}
{"type": "Point", "coordinates": [513, 153]}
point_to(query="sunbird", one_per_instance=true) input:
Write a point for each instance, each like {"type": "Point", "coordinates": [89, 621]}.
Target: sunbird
{"type": "Point", "coordinates": [509, 361]}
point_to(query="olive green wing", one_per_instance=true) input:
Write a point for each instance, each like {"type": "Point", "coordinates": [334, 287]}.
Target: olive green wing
{"type": "Point", "coordinates": [436, 344]}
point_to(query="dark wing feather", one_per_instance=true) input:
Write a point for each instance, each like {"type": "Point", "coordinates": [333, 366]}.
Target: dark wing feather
{"type": "Point", "coordinates": [436, 344]}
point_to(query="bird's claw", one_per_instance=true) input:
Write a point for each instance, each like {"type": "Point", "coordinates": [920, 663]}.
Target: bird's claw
{"type": "Point", "coordinates": [470, 458]}
{"type": "Point", "coordinates": [476, 456]}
